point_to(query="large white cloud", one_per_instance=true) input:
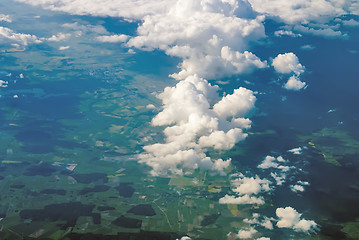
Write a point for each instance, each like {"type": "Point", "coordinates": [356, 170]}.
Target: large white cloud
{"type": "Point", "coordinates": [193, 126]}
{"type": "Point", "coordinates": [8, 36]}
{"type": "Point", "coordinates": [208, 35]}
{"type": "Point", "coordinates": [290, 218]}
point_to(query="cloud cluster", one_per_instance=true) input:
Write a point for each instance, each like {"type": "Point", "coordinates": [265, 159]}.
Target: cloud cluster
{"type": "Point", "coordinates": [289, 218]}
{"type": "Point", "coordinates": [307, 16]}
{"type": "Point", "coordinates": [299, 186]}
{"type": "Point", "coordinates": [286, 218]}
{"type": "Point", "coordinates": [289, 33]}
{"type": "Point", "coordinates": [246, 190]}
{"type": "Point", "coordinates": [278, 167]}
{"type": "Point", "coordinates": [288, 63]}
{"type": "Point", "coordinates": [115, 8]}
{"type": "Point", "coordinates": [261, 221]}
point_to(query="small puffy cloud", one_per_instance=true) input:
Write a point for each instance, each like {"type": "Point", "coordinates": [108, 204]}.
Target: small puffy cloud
{"type": "Point", "coordinates": [307, 47]}
{"type": "Point", "coordinates": [58, 37]}
{"type": "Point", "coordinates": [296, 188]}
{"type": "Point", "coordinates": [289, 33]}
{"type": "Point", "coordinates": [296, 151]}
{"type": "Point", "coordinates": [304, 183]}
{"type": "Point", "coordinates": [8, 36]}
{"type": "Point", "coordinates": [250, 185]}
{"type": "Point", "coordinates": [299, 187]}
{"type": "Point", "coordinates": [5, 18]}
{"type": "Point", "coordinates": [268, 162]}
{"type": "Point", "coordinates": [113, 38]}
{"type": "Point", "coordinates": [64, 48]}
{"type": "Point", "coordinates": [246, 234]}
{"type": "Point", "coordinates": [289, 218]}
{"type": "Point", "coordinates": [287, 63]}
{"type": "Point", "coordinates": [294, 84]}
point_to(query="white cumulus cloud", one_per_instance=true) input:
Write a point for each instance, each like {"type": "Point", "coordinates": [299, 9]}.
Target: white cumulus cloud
{"type": "Point", "coordinates": [246, 234]}
{"type": "Point", "coordinates": [192, 126]}
{"type": "Point", "coordinates": [287, 63]}
{"type": "Point", "coordinates": [296, 151]}
{"type": "Point", "coordinates": [294, 84]}
{"type": "Point", "coordinates": [289, 218]}
{"type": "Point", "coordinates": [8, 36]}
